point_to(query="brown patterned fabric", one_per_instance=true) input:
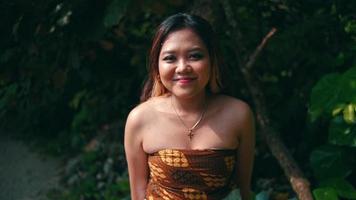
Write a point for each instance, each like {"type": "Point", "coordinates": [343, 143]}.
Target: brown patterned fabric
{"type": "Point", "coordinates": [190, 174]}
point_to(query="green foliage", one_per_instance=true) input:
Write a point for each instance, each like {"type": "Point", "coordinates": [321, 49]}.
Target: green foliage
{"type": "Point", "coordinates": [334, 96]}
{"type": "Point", "coordinates": [97, 173]}
{"type": "Point", "coordinates": [325, 194]}
{"type": "Point", "coordinates": [59, 82]}
{"type": "Point", "coordinates": [115, 12]}
{"type": "Point", "coordinates": [331, 91]}
{"type": "Point", "coordinates": [343, 188]}
{"type": "Point", "coordinates": [330, 161]}
{"type": "Point", "coordinates": [320, 97]}
{"type": "Point", "coordinates": [342, 133]}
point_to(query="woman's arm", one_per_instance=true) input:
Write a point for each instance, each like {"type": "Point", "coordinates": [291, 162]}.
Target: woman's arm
{"type": "Point", "coordinates": [135, 155]}
{"type": "Point", "coordinates": [245, 154]}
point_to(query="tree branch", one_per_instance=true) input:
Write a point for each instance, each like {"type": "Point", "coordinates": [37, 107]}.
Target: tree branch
{"type": "Point", "coordinates": [291, 169]}
{"type": "Point", "coordinates": [253, 57]}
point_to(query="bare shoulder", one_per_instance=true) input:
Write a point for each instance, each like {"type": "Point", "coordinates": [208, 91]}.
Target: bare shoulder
{"type": "Point", "coordinates": [233, 105]}
{"type": "Point", "coordinates": [237, 112]}
{"type": "Point", "coordinates": [139, 115]}
{"type": "Point", "coordinates": [144, 113]}
{"type": "Point", "coordinates": [136, 122]}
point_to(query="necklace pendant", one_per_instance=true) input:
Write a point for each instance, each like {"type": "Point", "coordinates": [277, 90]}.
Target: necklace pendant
{"type": "Point", "coordinates": [190, 134]}
{"type": "Point", "coordinates": [190, 130]}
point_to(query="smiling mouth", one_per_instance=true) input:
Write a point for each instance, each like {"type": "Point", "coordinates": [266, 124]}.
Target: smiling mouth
{"type": "Point", "coordinates": [184, 79]}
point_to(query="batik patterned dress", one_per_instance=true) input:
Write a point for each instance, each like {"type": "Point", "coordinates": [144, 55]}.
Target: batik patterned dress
{"type": "Point", "coordinates": [177, 174]}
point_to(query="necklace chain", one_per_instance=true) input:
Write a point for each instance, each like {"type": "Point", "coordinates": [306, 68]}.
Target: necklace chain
{"type": "Point", "coordinates": [190, 130]}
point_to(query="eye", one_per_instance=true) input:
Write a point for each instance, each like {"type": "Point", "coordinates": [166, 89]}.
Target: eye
{"type": "Point", "coordinates": [196, 56]}
{"type": "Point", "coordinates": [169, 58]}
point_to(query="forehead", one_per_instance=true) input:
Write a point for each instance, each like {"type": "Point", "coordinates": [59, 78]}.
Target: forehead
{"type": "Point", "coordinates": [182, 38]}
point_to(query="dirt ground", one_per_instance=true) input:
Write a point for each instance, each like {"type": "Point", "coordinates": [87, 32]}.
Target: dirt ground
{"type": "Point", "coordinates": [25, 175]}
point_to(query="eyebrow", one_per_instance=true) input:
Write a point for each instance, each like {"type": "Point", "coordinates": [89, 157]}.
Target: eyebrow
{"type": "Point", "coordinates": [190, 50]}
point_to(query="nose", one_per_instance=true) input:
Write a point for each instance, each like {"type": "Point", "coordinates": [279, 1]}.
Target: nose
{"type": "Point", "coordinates": [183, 66]}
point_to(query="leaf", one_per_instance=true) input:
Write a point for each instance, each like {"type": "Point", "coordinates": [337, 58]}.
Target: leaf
{"type": "Point", "coordinates": [331, 91]}
{"type": "Point", "coordinates": [114, 12]}
{"type": "Point", "coordinates": [348, 86]}
{"type": "Point", "coordinates": [349, 114]}
{"type": "Point", "coordinates": [11, 90]}
{"type": "Point", "coordinates": [80, 118]}
{"type": "Point", "coordinates": [350, 27]}
{"type": "Point", "coordinates": [338, 109]}
{"type": "Point", "coordinates": [75, 102]}
{"type": "Point", "coordinates": [329, 162]}
{"type": "Point", "coordinates": [324, 96]}
{"type": "Point", "coordinates": [326, 193]}
{"type": "Point", "coordinates": [341, 133]}
{"type": "Point", "coordinates": [340, 59]}
{"type": "Point", "coordinates": [343, 188]}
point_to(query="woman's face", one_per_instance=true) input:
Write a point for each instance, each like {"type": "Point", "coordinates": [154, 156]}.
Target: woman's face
{"type": "Point", "coordinates": [184, 63]}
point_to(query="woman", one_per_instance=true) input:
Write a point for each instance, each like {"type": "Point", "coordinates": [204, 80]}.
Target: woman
{"type": "Point", "coordinates": [186, 140]}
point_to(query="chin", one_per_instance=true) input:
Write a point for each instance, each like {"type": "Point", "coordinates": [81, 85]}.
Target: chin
{"type": "Point", "coordinates": [185, 94]}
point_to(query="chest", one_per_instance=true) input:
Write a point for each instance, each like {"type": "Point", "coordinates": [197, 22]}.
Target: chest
{"type": "Point", "coordinates": [215, 131]}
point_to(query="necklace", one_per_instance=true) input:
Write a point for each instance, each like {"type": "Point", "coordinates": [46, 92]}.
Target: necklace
{"type": "Point", "coordinates": [191, 129]}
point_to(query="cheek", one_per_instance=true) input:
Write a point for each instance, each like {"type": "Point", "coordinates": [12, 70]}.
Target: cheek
{"type": "Point", "coordinates": [164, 69]}
{"type": "Point", "coordinates": [166, 74]}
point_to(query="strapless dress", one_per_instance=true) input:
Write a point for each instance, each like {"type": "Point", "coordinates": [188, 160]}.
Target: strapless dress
{"type": "Point", "coordinates": [177, 174]}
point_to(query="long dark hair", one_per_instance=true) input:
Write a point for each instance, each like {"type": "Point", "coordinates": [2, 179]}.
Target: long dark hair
{"type": "Point", "coordinates": [153, 86]}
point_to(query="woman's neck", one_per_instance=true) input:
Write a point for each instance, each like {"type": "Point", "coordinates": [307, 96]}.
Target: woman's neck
{"type": "Point", "coordinates": [191, 105]}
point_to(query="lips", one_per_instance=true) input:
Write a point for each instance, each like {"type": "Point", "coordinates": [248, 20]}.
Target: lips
{"type": "Point", "coordinates": [184, 79]}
